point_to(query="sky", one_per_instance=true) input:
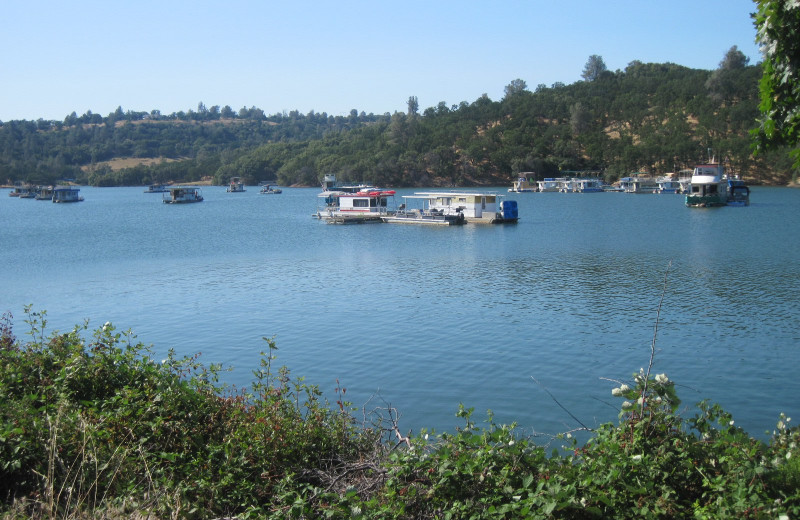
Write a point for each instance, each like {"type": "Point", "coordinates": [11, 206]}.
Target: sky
{"type": "Point", "coordinates": [59, 57]}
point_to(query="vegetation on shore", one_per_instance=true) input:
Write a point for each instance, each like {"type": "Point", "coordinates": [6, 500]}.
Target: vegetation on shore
{"type": "Point", "coordinates": [653, 117]}
{"type": "Point", "coordinates": [91, 426]}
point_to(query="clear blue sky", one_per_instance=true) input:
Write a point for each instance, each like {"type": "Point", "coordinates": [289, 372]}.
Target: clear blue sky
{"type": "Point", "coordinates": [60, 56]}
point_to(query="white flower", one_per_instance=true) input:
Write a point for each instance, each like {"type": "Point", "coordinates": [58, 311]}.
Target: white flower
{"type": "Point", "coordinates": [781, 426]}
{"type": "Point", "coordinates": [788, 455]}
{"type": "Point", "coordinates": [583, 501]}
{"type": "Point", "coordinates": [624, 388]}
{"type": "Point", "coordinates": [510, 443]}
{"type": "Point", "coordinates": [636, 458]}
{"type": "Point", "coordinates": [662, 379]}
{"type": "Point", "coordinates": [730, 423]}
{"type": "Point", "coordinates": [626, 404]}
{"type": "Point", "coordinates": [426, 436]}
{"type": "Point", "coordinates": [783, 517]}
{"type": "Point", "coordinates": [616, 392]}
{"type": "Point", "coordinates": [106, 326]}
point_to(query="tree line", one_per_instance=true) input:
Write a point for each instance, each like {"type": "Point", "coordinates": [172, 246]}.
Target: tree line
{"type": "Point", "coordinates": [648, 117]}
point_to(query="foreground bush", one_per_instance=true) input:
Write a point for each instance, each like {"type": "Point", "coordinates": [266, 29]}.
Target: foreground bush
{"type": "Point", "coordinates": [93, 427]}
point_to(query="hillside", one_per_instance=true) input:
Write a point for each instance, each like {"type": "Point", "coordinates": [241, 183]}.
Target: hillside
{"type": "Point", "coordinates": [649, 117]}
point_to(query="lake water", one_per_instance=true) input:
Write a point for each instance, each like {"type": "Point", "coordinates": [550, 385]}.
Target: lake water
{"type": "Point", "coordinates": [426, 318]}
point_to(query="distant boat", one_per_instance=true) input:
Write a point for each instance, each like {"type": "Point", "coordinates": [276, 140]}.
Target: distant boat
{"type": "Point", "coordinates": [66, 194]}
{"type": "Point", "coordinates": [522, 184]}
{"type": "Point", "coordinates": [44, 193]}
{"type": "Point", "coordinates": [182, 195]}
{"type": "Point", "coordinates": [587, 185]}
{"type": "Point", "coordinates": [666, 184]}
{"type": "Point", "coordinates": [638, 183]}
{"type": "Point", "coordinates": [708, 187]}
{"type": "Point", "coordinates": [266, 189]}
{"type": "Point", "coordinates": [156, 188]}
{"type": "Point", "coordinates": [236, 185]}
{"type": "Point", "coordinates": [549, 184]}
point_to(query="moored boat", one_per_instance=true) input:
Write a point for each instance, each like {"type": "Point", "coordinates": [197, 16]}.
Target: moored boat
{"type": "Point", "coordinates": [182, 195]}
{"type": "Point", "coordinates": [368, 206]}
{"type": "Point", "coordinates": [155, 188]}
{"type": "Point", "coordinates": [423, 214]}
{"type": "Point", "coordinates": [66, 194]}
{"type": "Point", "coordinates": [522, 184]}
{"type": "Point", "coordinates": [638, 183]}
{"type": "Point", "coordinates": [549, 184]}
{"type": "Point", "coordinates": [587, 185]}
{"type": "Point", "coordinates": [44, 193]}
{"type": "Point", "coordinates": [667, 184]}
{"type": "Point", "coordinates": [236, 185]}
{"type": "Point", "coordinates": [708, 187]}
{"type": "Point", "coordinates": [488, 208]}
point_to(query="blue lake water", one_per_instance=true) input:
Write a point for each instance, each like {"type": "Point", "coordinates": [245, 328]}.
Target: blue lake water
{"type": "Point", "coordinates": [426, 318]}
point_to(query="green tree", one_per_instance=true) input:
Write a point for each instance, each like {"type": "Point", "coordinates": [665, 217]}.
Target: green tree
{"type": "Point", "coordinates": [594, 67]}
{"type": "Point", "coordinates": [778, 31]}
{"type": "Point", "coordinates": [515, 87]}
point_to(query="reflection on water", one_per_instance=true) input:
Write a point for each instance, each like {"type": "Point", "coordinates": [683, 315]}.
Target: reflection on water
{"type": "Point", "coordinates": [430, 318]}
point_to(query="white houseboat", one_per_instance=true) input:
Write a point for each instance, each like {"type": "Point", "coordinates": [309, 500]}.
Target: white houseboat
{"type": "Point", "coordinates": [667, 184]}
{"type": "Point", "coordinates": [708, 187]}
{"type": "Point", "coordinates": [156, 188]}
{"type": "Point", "coordinates": [66, 194]}
{"type": "Point", "coordinates": [360, 207]}
{"type": "Point", "coordinates": [182, 195]}
{"type": "Point", "coordinates": [587, 185]}
{"type": "Point", "coordinates": [522, 184]}
{"type": "Point", "coordinates": [638, 183]}
{"type": "Point", "coordinates": [415, 209]}
{"type": "Point", "coordinates": [549, 184]}
{"type": "Point", "coordinates": [486, 208]}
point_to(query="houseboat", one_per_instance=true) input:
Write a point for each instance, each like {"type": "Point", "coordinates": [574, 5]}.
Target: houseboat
{"type": "Point", "coordinates": [182, 195]}
{"type": "Point", "coordinates": [638, 183]}
{"type": "Point", "coordinates": [415, 209]}
{"type": "Point", "coordinates": [587, 185]}
{"type": "Point", "coordinates": [236, 185]}
{"type": "Point", "coordinates": [549, 184]}
{"type": "Point", "coordinates": [19, 190]}
{"type": "Point", "coordinates": [666, 184]}
{"type": "Point", "coordinates": [368, 206]}
{"type": "Point", "coordinates": [708, 187]}
{"type": "Point", "coordinates": [486, 208]}
{"type": "Point", "coordinates": [66, 194]}
{"type": "Point", "coordinates": [328, 199]}
{"type": "Point", "coordinates": [522, 184]}
{"type": "Point", "coordinates": [156, 188]}
{"type": "Point", "coordinates": [566, 185]}
{"type": "Point", "coordinates": [44, 193]}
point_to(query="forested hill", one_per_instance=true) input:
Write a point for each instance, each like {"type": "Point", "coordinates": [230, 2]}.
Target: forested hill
{"type": "Point", "coordinates": [649, 117]}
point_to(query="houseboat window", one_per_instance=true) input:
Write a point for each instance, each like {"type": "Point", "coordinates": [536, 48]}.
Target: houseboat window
{"type": "Point", "coordinates": [372, 203]}
{"type": "Point", "coordinates": [712, 188]}
{"type": "Point", "coordinates": [383, 203]}
{"type": "Point", "coordinates": [695, 189]}
{"type": "Point", "coordinates": [360, 203]}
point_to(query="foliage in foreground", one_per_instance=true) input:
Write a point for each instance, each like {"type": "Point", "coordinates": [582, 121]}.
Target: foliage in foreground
{"type": "Point", "coordinates": [92, 427]}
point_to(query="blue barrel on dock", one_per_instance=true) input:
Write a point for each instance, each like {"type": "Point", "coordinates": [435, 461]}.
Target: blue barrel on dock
{"type": "Point", "coordinates": [508, 208]}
